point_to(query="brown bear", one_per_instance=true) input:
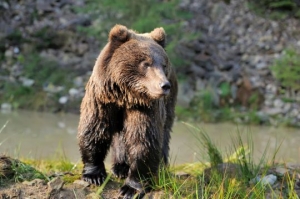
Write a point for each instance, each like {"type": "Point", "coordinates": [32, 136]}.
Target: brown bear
{"type": "Point", "coordinates": [129, 105]}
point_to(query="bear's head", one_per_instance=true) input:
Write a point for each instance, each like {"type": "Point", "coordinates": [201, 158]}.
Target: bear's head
{"type": "Point", "coordinates": [137, 64]}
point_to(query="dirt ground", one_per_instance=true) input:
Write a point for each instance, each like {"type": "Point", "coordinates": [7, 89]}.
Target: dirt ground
{"type": "Point", "coordinates": [21, 181]}
{"type": "Point", "coordinates": [56, 189]}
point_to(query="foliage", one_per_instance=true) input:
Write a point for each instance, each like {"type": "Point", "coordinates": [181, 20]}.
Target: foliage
{"type": "Point", "coordinates": [287, 69]}
{"type": "Point", "coordinates": [12, 170]}
{"type": "Point", "coordinates": [44, 72]}
{"type": "Point", "coordinates": [209, 106]}
{"type": "Point", "coordinates": [276, 9]}
{"type": "Point", "coordinates": [142, 16]}
{"type": "Point", "coordinates": [24, 172]}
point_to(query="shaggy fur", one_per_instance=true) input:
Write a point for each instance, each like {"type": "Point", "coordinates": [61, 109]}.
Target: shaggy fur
{"type": "Point", "coordinates": [129, 105]}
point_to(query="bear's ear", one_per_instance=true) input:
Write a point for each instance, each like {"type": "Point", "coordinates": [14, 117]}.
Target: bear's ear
{"type": "Point", "coordinates": [159, 35]}
{"type": "Point", "coordinates": [119, 34]}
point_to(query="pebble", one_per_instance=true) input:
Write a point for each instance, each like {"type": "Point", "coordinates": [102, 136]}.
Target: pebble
{"type": "Point", "coordinates": [266, 180]}
{"type": "Point", "coordinates": [73, 92]}
{"type": "Point", "coordinates": [6, 107]}
{"type": "Point", "coordinates": [278, 103]}
{"type": "Point", "coordinates": [273, 111]}
{"type": "Point", "coordinates": [269, 179]}
{"type": "Point", "coordinates": [63, 99]}
{"type": "Point", "coordinates": [27, 82]}
{"type": "Point", "coordinates": [281, 171]}
{"type": "Point", "coordinates": [78, 81]}
{"type": "Point", "coordinates": [81, 184]}
{"type": "Point", "coordinates": [55, 184]}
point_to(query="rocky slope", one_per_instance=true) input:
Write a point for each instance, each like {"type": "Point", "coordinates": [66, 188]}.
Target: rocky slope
{"type": "Point", "coordinates": [230, 58]}
{"type": "Point", "coordinates": [237, 48]}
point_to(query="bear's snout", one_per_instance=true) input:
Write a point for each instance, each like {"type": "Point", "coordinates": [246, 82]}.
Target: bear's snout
{"type": "Point", "coordinates": [165, 86]}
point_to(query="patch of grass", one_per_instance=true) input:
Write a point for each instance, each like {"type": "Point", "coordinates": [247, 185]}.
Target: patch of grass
{"type": "Point", "coordinates": [44, 72]}
{"type": "Point", "coordinates": [287, 69]}
{"type": "Point", "coordinates": [12, 170]}
{"type": "Point", "coordinates": [24, 172]}
{"type": "Point", "coordinates": [275, 9]}
{"type": "Point", "coordinates": [229, 177]}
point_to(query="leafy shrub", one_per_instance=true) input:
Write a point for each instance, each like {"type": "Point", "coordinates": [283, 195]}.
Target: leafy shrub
{"type": "Point", "coordinates": [287, 69]}
{"type": "Point", "coordinates": [277, 9]}
{"type": "Point", "coordinates": [44, 72]}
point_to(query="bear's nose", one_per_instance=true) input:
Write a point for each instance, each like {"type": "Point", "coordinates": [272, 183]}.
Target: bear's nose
{"type": "Point", "coordinates": [166, 86]}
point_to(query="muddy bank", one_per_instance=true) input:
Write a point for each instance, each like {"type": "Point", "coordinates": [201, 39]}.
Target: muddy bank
{"type": "Point", "coordinates": [282, 180]}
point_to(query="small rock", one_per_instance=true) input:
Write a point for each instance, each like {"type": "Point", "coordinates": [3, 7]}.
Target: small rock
{"type": "Point", "coordinates": [271, 88]}
{"type": "Point", "coordinates": [287, 107]}
{"type": "Point", "coordinates": [181, 174]}
{"type": "Point", "coordinates": [261, 65]}
{"type": "Point", "coordinates": [269, 179]}
{"type": "Point", "coordinates": [61, 125]}
{"type": "Point", "coordinates": [27, 82]}
{"type": "Point", "coordinates": [6, 107]}
{"type": "Point", "coordinates": [16, 50]}
{"type": "Point", "coordinates": [81, 184]}
{"type": "Point", "coordinates": [8, 53]}
{"type": "Point", "coordinates": [278, 103]}
{"type": "Point", "coordinates": [294, 113]}
{"type": "Point", "coordinates": [281, 171]}
{"type": "Point", "coordinates": [273, 111]}
{"type": "Point", "coordinates": [63, 99]}
{"type": "Point", "coordinates": [78, 81]}
{"type": "Point", "coordinates": [73, 92]}
{"type": "Point", "coordinates": [56, 184]}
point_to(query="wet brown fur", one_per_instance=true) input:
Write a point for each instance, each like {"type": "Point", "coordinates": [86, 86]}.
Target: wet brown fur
{"type": "Point", "coordinates": [125, 108]}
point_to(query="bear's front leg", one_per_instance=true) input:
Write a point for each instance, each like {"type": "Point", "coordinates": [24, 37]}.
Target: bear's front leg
{"type": "Point", "coordinates": [143, 142]}
{"type": "Point", "coordinates": [94, 141]}
{"type": "Point", "coordinates": [120, 166]}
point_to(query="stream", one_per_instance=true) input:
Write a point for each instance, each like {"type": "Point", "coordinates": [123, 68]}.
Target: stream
{"type": "Point", "coordinates": [40, 135]}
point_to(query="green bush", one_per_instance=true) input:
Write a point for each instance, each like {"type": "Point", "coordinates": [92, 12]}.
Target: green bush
{"type": "Point", "coordinates": [276, 9]}
{"type": "Point", "coordinates": [44, 72]}
{"type": "Point", "coordinates": [287, 70]}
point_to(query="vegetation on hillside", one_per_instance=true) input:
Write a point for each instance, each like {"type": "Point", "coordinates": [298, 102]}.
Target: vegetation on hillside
{"type": "Point", "coordinates": [276, 9]}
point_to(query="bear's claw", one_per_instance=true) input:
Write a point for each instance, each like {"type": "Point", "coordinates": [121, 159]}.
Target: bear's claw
{"type": "Point", "coordinates": [94, 175]}
{"type": "Point", "coordinates": [120, 170]}
{"type": "Point", "coordinates": [127, 192]}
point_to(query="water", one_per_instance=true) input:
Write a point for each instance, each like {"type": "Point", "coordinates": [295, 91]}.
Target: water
{"type": "Point", "coordinates": [45, 135]}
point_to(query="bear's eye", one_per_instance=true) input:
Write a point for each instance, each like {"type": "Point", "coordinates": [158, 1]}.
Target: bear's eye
{"type": "Point", "coordinates": [146, 64]}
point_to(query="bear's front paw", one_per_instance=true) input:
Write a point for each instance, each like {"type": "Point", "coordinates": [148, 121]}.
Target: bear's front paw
{"type": "Point", "coordinates": [94, 174]}
{"type": "Point", "coordinates": [120, 170]}
{"type": "Point", "coordinates": [127, 192]}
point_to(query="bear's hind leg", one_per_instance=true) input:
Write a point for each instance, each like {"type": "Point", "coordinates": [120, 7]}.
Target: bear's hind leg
{"type": "Point", "coordinates": [143, 146]}
{"type": "Point", "coordinates": [120, 167]}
